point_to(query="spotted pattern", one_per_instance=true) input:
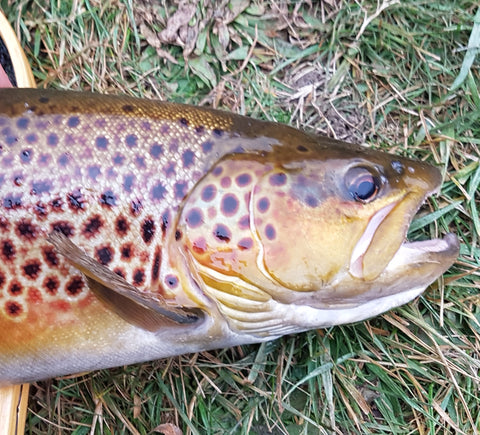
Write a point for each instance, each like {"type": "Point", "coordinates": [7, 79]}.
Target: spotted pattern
{"type": "Point", "coordinates": [109, 173]}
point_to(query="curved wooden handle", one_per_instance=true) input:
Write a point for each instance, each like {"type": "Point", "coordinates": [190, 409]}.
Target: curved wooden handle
{"type": "Point", "coordinates": [13, 409]}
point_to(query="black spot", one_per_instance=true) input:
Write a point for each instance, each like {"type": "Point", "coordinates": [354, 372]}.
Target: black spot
{"type": "Point", "coordinates": [218, 132]}
{"type": "Point", "coordinates": [13, 308]}
{"type": "Point", "coordinates": [12, 202]}
{"type": "Point", "coordinates": [263, 204]}
{"type": "Point", "coordinates": [165, 222]}
{"type": "Point", "coordinates": [22, 123]}
{"type": "Point", "coordinates": [270, 232]}
{"type": "Point", "coordinates": [140, 162]}
{"type": "Point", "coordinates": [31, 138]}
{"type": "Point", "coordinates": [243, 180]}
{"type": "Point", "coordinates": [50, 256]}
{"type": "Point", "coordinates": [2, 279]}
{"type": "Point", "coordinates": [44, 100]}
{"type": "Point", "coordinates": [40, 210]}
{"type": "Point", "coordinates": [199, 129]}
{"type": "Point", "coordinates": [108, 199]}
{"type": "Point", "coordinates": [8, 250]}
{"type": "Point", "coordinates": [311, 201]}
{"type": "Point", "coordinates": [32, 269]}
{"type": "Point", "coordinates": [118, 159]}
{"type": "Point", "coordinates": [171, 281]}
{"type": "Point", "coordinates": [194, 218]}
{"type": "Point", "coordinates": [126, 251]}
{"type": "Point", "coordinates": [302, 149]}
{"type": "Point", "coordinates": [74, 286]}
{"type": "Point", "coordinates": [208, 192]}
{"type": "Point", "coordinates": [131, 140]}
{"type": "Point", "coordinates": [229, 204]}
{"type": "Point", "coordinates": [156, 151]}
{"type": "Point", "coordinates": [92, 226]}
{"type": "Point", "coordinates": [56, 204]}
{"type": "Point", "coordinates": [52, 139]}
{"type": "Point", "coordinates": [278, 179]}
{"type": "Point", "coordinates": [122, 226]}
{"type": "Point", "coordinates": [156, 264]}
{"type": "Point", "coordinates": [222, 233]}
{"type": "Point", "coordinates": [148, 230]}
{"type": "Point", "coordinates": [178, 235]}
{"type": "Point", "coordinates": [398, 167]}
{"type": "Point", "coordinates": [138, 277]}
{"type": "Point", "coordinates": [64, 227]}
{"type": "Point", "coordinates": [128, 181]}
{"type": "Point", "coordinates": [51, 284]}
{"type": "Point", "coordinates": [183, 121]}
{"type": "Point", "coordinates": [75, 200]}
{"type": "Point", "coordinates": [93, 172]}
{"type": "Point", "coordinates": [120, 272]}
{"type": "Point", "coordinates": [245, 243]}
{"type": "Point", "coordinates": [207, 146]}
{"type": "Point", "coordinates": [101, 142]}
{"type": "Point", "coordinates": [26, 230]}
{"type": "Point", "coordinates": [128, 108]}
{"type": "Point", "coordinates": [73, 121]}
{"type": "Point", "coordinates": [41, 187]}
{"type": "Point", "coordinates": [63, 159]}
{"type": "Point", "coordinates": [187, 158]}
{"type": "Point", "coordinates": [180, 189]}
{"type": "Point", "coordinates": [135, 207]}
{"type": "Point", "coordinates": [217, 170]}
{"type": "Point", "coordinates": [26, 156]}
{"type": "Point", "coordinates": [158, 191]}
{"type": "Point", "coordinates": [15, 288]}
{"type": "Point", "coordinates": [104, 255]}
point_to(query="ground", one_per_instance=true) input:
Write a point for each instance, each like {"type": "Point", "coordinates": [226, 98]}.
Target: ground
{"type": "Point", "coordinates": [396, 75]}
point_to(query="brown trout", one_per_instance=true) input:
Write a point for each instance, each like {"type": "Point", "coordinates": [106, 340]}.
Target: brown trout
{"type": "Point", "coordinates": [133, 230]}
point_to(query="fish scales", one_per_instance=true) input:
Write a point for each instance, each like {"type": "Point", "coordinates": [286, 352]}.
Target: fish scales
{"type": "Point", "coordinates": [134, 229]}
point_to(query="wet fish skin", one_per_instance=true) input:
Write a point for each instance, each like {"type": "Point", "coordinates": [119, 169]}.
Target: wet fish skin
{"type": "Point", "coordinates": [233, 223]}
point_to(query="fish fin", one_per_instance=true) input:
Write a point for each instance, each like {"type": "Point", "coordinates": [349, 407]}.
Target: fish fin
{"type": "Point", "coordinates": [140, 309]}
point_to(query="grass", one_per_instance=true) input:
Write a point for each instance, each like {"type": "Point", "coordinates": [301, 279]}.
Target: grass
{"type": "Point", "coordinates": [400, 76]}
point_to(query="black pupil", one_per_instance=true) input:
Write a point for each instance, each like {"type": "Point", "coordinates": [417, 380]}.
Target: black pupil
{"type": "Point", "coordinates": [362, 185]}
{"type": "Point", "coordinates": [365, 189]}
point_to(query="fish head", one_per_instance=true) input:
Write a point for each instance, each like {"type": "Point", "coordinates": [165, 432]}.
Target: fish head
{"type": "Point", "coordinates": [320, 227]}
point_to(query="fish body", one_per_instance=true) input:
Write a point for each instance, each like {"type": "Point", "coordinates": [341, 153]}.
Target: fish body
{"type": "Point", "coordinates": [132, 230]}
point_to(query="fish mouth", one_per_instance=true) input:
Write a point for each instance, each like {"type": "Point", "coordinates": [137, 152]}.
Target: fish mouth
{"type": "Point", "coordinates": [383, 248]}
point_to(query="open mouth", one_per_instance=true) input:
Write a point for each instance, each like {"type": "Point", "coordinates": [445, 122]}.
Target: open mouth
{"type": "Point", "coordinates": [383, 247]}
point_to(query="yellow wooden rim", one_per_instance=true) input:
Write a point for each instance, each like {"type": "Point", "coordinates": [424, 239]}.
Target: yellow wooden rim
{"type": "Point", "coordinates": [21, 67]}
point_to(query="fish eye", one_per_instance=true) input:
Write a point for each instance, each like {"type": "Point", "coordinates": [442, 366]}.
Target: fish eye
{"type": "Point", "coordinates": [362, 183]}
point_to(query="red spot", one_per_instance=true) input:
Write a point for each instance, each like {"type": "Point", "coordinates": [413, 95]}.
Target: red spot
{"type": "Point", "coordinates": [60, 305]}
{"type": "Point", "coordinates": [104, 255]}
{"type": "Point", "coordinates": [13, 308]}
{"type": "Point", "coordinates": [2, 279]}
{"type": "Point", "coordinates": [63, 227]}
{"type": "Point", "coordinates": [148, 230]}
{"type": "Point", "coordinates": [34, 296]}
{"type": "Point", "coordinates": [50, 256]}
{"type": "Point", "coordinates": [226, 182]}
{"type": "Point", "coordinates": [200, 245]}
{"type": "Point", "coordinates": [244, 222]}
{"type": "Point", "coordinates": [263, 205]}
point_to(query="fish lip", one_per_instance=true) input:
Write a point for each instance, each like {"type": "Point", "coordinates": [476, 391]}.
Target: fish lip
{"type": "Point", "coordinates": [437, 250]}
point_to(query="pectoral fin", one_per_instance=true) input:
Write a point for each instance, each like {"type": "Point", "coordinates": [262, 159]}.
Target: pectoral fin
{"type": "Point", "coordinates": [140, 309]}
